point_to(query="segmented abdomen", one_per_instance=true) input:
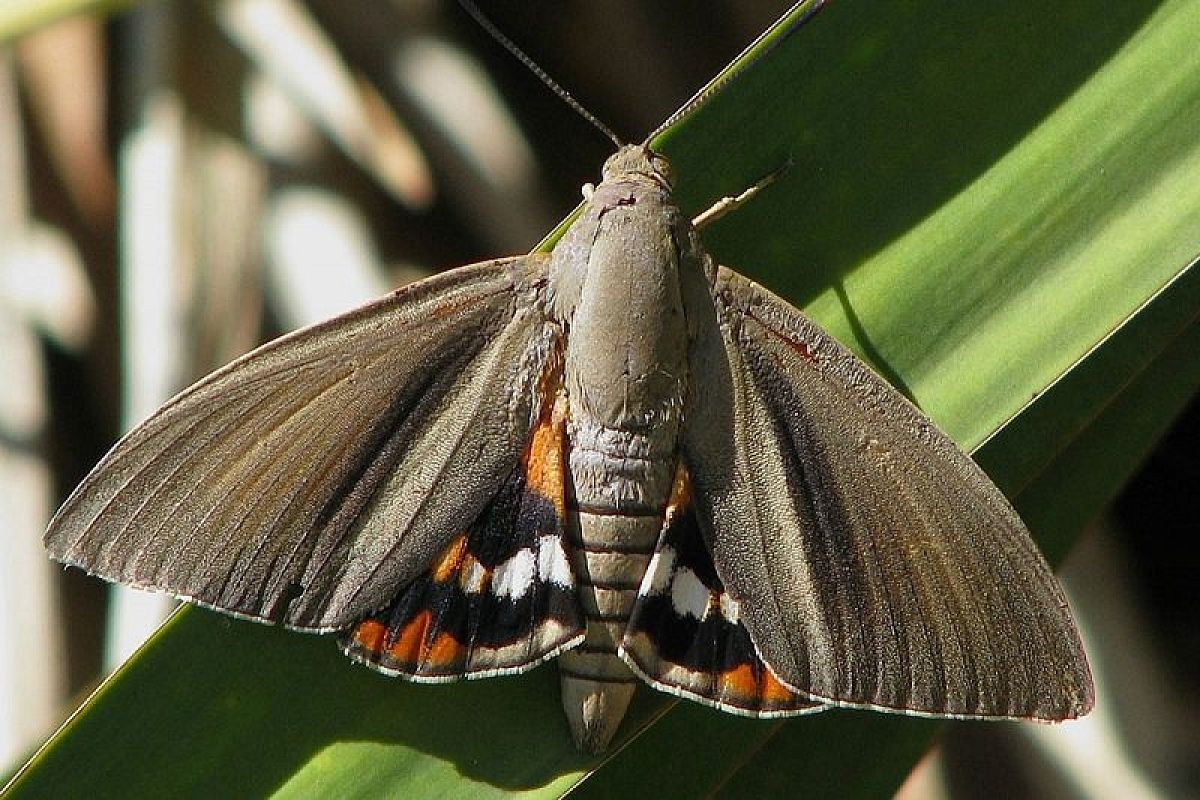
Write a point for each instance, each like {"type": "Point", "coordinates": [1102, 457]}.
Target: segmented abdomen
{"type": "Point", "coordinates": [619, 483]}
{"type": "Point", "coordinates": [609, 554]}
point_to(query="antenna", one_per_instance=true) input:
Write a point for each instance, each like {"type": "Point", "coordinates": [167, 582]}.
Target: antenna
{"type": "Point", "coordinates": [801, 12]}
{"type": "Point", "coordinates": [510, 46]}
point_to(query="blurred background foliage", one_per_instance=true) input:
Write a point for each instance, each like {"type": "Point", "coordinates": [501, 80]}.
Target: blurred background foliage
{"type": "Point", "coordinates": [180, 181]}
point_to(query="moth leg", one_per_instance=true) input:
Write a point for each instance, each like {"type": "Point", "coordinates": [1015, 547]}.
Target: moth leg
{"type": "Point", "coordinates": [729, 203]}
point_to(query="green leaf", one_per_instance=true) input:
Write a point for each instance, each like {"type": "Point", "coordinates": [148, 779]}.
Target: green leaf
{"type": "Point", "coordinates": [213, 707]}
{"type": "Point", "coordinates": [1044, 303]}
{"type": "Point", "coordinates": [994, 204]}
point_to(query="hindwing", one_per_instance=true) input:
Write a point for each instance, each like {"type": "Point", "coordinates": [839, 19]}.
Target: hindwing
{"type": "Point", "coordinates": [685, 634]}
{"type": "Point", "coordinates": [501, 597]}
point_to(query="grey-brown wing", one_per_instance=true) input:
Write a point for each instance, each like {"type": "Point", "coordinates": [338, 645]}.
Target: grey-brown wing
{"type": "Point", "coordinates": [310, 479]}
{"type": "Point", "coordinates": [873, 562]}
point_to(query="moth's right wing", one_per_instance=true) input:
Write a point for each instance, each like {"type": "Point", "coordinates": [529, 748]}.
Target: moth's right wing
{"type": "Point", "coordinates": [309, 480]}
{"type": "Point", "coordinates": [872, 562]}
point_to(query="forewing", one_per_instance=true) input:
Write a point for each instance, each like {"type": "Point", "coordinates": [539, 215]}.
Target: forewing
{"type": "Point", "coordinates": [501, 598]}
{"type": "Point", "coordinates": [873, 562]}
{"type": "Point", "coordinates": [308, 480]}
{"type": "Point", "coordinates": [685, 635]}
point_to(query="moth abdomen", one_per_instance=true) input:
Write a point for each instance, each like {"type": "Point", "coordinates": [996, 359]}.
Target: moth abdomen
{"type": "Point", "coordinates": [610, 551]}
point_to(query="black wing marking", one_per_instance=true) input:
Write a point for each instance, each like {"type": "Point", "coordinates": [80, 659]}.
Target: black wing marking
{"type": "Point", "coordinates": [685, 635]}
{"type": "Point", "coordinates": [501, 598]}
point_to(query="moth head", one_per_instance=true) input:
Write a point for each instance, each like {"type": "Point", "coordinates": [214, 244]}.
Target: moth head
{"type": "Point", "coordinates": [639, 160]}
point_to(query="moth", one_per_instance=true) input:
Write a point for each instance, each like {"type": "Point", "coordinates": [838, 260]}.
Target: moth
{"type": "Point", "coordinates": [617, 454]}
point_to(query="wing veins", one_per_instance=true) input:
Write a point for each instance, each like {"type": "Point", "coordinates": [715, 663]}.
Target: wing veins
{"type": "Point", "coordinates": [221, 467]}
{"type": "Point", "coordinates": [453, 451]}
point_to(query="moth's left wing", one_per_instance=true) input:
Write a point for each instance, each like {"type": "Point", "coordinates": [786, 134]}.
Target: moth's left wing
{"type": "Point", "coordinates": [874, 564]}
{"type": "Point", "coordinates": [309, 480]}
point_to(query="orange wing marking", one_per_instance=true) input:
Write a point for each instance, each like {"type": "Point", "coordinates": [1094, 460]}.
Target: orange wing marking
{"type": "Point", "coordinates": [448, 565]}
{"type": "Point", "coordinates": [544, 456]}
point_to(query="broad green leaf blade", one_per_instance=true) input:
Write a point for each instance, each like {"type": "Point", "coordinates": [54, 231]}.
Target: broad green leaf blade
{"type": "Point", "coordinates": [974, 206]}
{"type": "Point", "coordinates": [1053, 291]}
{"type": "Point", "coordinates": [821, 757]}
{"type": "Point", "coordinates": [214, 707]}
{"type": "Point", "coordinates": [1016, 259]}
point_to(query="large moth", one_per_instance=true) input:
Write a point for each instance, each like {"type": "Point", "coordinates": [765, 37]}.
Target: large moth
{"type": "Point", "coordinates": [616, 453]}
